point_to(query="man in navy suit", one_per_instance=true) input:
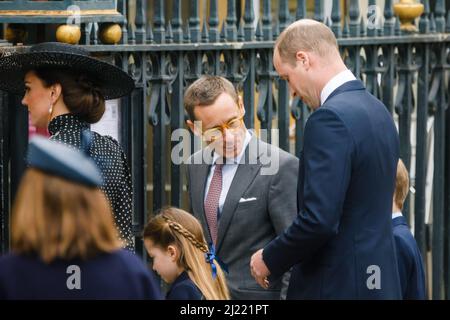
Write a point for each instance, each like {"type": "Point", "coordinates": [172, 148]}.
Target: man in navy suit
{"type": "Point", "coordinates": [340, 244]}
{"type": "Point", "coordinates": [410, 264]}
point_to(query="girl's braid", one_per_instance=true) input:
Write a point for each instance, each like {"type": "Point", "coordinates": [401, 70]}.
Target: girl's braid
{"type": "Point", "coordinates": [187, 234]}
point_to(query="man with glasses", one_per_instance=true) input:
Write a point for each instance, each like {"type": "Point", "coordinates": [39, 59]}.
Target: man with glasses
{"type": "Point", "coordinates": [242, 206]}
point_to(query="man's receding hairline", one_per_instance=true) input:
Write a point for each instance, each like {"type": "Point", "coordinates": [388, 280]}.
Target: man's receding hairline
{"type": "Point", "coordinates": [295, 24]}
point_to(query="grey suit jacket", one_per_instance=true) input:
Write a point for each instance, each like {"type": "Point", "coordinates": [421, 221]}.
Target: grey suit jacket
{"type": "Point", "coordinates": [245, 227]}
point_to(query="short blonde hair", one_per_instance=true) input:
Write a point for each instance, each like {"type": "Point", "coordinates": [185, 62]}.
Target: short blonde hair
{"type": "Point", "coordinates": [173, 226]}
{"type": "Point", "coordinates": [305, 35]}
{"type": "Point", "coordinates": [57, 218]}
{"type": "Point", "coordinates": [401, 185]}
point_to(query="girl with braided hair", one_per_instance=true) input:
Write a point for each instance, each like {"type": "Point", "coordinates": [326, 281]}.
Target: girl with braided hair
{"type": "Point", "coordinates": [174, 240]}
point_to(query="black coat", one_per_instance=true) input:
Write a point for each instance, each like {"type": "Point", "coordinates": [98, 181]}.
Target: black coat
{"type": "Point", "coordinates": [110, 158]}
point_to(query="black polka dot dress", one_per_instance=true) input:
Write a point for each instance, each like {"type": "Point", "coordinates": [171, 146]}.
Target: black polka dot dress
{"type": "Point", "coordinates": [110, 158]}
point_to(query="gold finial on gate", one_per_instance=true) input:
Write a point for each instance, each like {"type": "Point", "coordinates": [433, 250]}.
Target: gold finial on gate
{"type": "Point", "coordinates": [16, 33]}
{"type": "Point", "coordinates": [408, 11]}
{"type": "Point", "coordinates": [68, 33]}
{"type": "Point", "coordinates": [110, 33]}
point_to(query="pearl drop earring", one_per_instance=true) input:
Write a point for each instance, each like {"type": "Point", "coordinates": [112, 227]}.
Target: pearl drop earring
{"type": "Point", "coordinates": [50, 110]}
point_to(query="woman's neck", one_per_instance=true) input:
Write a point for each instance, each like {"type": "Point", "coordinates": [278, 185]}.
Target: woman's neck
{"type": "Point", "coordinates": [58, 109]}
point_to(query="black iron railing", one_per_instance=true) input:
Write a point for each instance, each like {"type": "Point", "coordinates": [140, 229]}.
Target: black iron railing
{"type": "Point", "coordinates": [409, 72]}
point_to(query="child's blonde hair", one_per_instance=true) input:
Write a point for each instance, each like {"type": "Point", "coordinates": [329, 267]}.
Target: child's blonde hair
{"type": "Point", "coordinates": [57, 218]}
{"type": "Point", "coordinates": [173, 226]}
{"type": "Point", "coordinates": [401, 185]}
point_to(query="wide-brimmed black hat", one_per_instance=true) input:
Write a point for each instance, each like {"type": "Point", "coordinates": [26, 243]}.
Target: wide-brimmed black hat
{"type": "Point", "coordinates": [113, 82]}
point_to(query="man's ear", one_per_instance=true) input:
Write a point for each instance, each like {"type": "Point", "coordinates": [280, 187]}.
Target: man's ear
{"type": "Point", "coordinates": [193, 127]}
{"type": "Point", "coordinates": [303, 58]}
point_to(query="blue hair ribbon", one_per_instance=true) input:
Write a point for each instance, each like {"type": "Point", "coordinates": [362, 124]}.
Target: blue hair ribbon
{"type": "Point", "coordinates": [210, 257]}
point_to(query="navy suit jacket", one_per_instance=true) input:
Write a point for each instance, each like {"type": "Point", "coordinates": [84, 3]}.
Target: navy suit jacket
{"type": "Point", "coordinates": [341, 243]}
{"type": "Point", "coordinates": [410, 264]}
{"type": "Point", "coordinates": [183, 288]}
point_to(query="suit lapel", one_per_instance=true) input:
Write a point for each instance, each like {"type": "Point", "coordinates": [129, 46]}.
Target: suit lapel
{"type": "Point", "coordinates": [244, 176]}
{"type": "Point", "coordinates": [198, 194]}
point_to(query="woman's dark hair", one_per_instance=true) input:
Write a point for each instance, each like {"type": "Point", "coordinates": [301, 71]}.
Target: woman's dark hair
{"type": "Point", "coordinates": [81, 94]}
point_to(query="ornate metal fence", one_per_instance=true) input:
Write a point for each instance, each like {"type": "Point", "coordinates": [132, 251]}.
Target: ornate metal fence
{"type": "Point", "coordinates": [408, 72]}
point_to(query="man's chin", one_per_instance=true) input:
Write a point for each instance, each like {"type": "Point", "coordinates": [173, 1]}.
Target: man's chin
{"type": "Point", "coordinates": [228, 153]}
{"type": "Point", "coordinates": [231, 153]}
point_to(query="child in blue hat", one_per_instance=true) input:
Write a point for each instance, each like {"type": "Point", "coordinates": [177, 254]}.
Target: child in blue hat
{"type": "Point", "coordinates": [63, 239]}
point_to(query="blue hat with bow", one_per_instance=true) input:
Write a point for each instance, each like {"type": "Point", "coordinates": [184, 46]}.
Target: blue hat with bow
{"type": "Point", "coordinates": [61, 160]}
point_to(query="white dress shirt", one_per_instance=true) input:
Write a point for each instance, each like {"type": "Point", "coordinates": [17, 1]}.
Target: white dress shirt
{"type": "Point", "coordinates": [228, 171]}
{"type": "Point", "coordinates": [335, 82]}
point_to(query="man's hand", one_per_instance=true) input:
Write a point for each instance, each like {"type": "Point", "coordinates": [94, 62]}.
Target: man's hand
{"type": "Point", "coordinates": [259, 269]}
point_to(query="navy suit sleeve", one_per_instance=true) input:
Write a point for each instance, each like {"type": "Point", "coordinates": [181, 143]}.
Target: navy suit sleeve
{"type": "Point", "coordinates": [327, 158]}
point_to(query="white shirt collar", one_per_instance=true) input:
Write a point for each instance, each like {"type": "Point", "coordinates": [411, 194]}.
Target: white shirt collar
{"type": "Point", "coordinates": [335, 82]}
{"type": "Point", "coordinates": [236, 160]}
{"type": "Point", "coordinates": [396, 215]}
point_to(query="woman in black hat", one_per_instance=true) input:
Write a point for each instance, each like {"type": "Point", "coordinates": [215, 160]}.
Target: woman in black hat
{"type": "Point", "coordinates": [63, 241]}
{"type": "Point", "coordinates": [65, 90]}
